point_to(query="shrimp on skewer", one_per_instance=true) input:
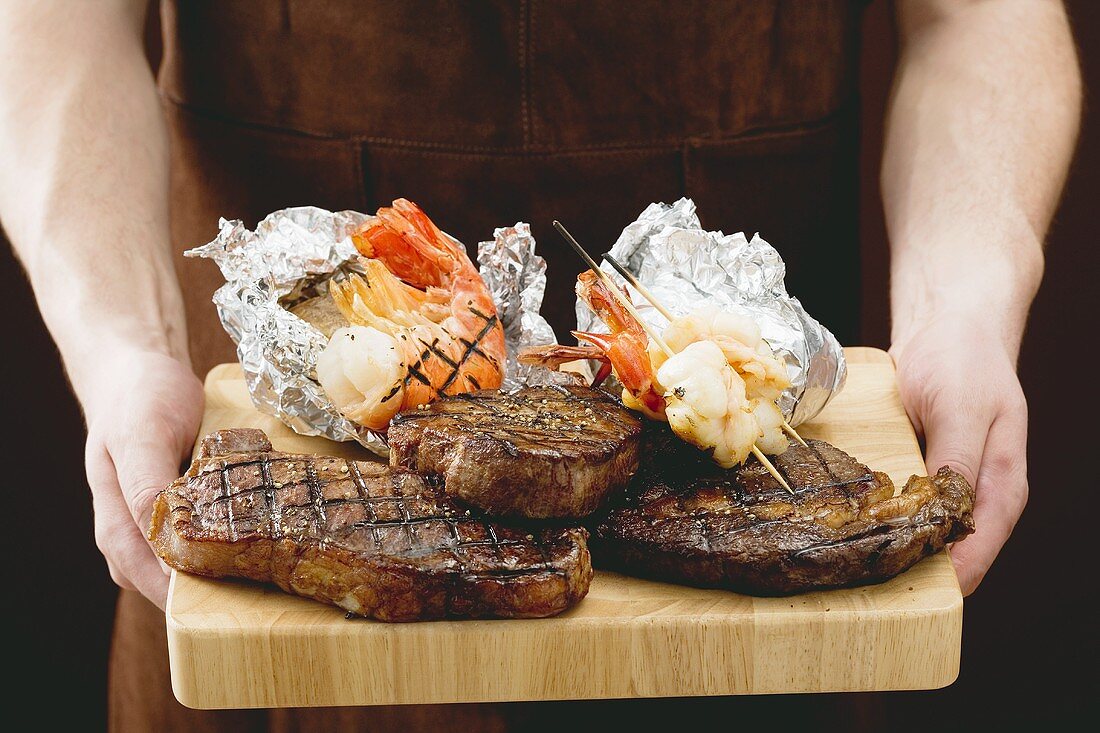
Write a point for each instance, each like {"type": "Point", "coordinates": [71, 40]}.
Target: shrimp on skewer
{"type": "Point", "coordinates": [625, 348]}
{"type": "Point", "coordinates": [739, 338]}
{"type": "Point", "coordinates": [716, 385]}
{"type": "Point", "coordinates": [423, 324]}
{"type": "Point", "coordinates": [764, 375]}
{"type": "Point", "coordinates": [707, 405]}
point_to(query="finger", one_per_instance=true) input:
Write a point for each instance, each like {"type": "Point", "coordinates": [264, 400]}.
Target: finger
{"type": "Point", "coordinates": [128, 554]}
{"type": "Point", "coordinates": [137, 562]}
{"type": "Point", "coordinates": [130, 559]}
{"type": "Point", "coordinates": [1002, 493]}
{"type": "Point", "coordinates": [136, 569]}
{"type": "Point", "coordinates": [102, 482]}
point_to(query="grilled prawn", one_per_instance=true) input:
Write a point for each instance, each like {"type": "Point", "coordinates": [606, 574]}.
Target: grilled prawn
{"type": "Point", "coordinates": [718, 389]}
{"type": "Point", "coordinates": [706, 403]}
{"type": "Point", "coordinates": [423, 324]}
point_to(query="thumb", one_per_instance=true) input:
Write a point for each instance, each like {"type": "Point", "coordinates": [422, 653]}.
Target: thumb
{"type": "Point", "coordinates": [955, 436]}
{"type": "Point", "coordinates": [956, 439]}
{"type": "Point", "coordinates": [145, 466]}
{"type": "Point", "coordinates": [1002, 492]}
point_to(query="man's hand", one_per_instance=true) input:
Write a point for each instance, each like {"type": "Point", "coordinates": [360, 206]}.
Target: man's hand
{"type": "Point", "coordinates": [84, 200]}
{"type": "Point", "coordinates": [980, 130]}
{"type": "Point", "coordinates": [959, 386]}
{"type": "Point", "coordinates": [143, 416]}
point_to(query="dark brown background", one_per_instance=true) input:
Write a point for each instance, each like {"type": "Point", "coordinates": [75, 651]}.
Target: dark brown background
{"type": "Point", "coordinates": [1030, 642]}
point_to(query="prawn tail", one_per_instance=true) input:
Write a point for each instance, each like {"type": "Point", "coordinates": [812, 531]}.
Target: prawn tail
{"type": "Point", "coordinates": [554, 355]}
{"type": "Point", "coordinates": [601, 341]}
{"type": "Point", "coordinates": [377, 297]}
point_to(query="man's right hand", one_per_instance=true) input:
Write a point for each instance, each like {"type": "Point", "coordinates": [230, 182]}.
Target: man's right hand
{"type": "Point", "coordinates": [143, 411]}
{"type": "Point", "coordinates": [84, 202]}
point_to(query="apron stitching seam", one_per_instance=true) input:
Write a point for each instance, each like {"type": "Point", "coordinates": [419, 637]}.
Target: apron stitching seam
{"type": "Point", "coordinates": [525, 89]}
{"type": "Point", "coordinates": [360, 179]}
{"type": "Point", "coordinates": [251, 124]}
{"type": "Point", "coordinates": [535, 154]}
{"type": "Point", "coordinates": [534, 117]}
{"type": "Point", "coordinates": [686, 169]}
{"type": "Point", "coordinates": [670, 143]}
{"type": "Point", "coordinates": [751, 133]}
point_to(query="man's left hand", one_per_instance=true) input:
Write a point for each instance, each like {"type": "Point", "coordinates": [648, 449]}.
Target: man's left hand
{"type": "Point", "coordinates": [959, 385]}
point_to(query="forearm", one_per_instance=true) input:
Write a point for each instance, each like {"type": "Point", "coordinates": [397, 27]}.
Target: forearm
{"type": "Point", "coordinates": [980, 131]}
{"type": "Point", "coordinates": [83, 191]}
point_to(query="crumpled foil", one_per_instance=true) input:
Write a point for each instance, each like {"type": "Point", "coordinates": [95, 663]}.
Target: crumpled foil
{"type": "Point", "coordinates": [516, 278]}
{"type": "Point", "coordinates": [290, 256]}
{"type": "Point", "coordinates": [683, 265]}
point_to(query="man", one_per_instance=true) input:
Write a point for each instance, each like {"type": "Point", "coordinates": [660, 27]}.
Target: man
{"type": "Point", "coordinates": [491, 112]}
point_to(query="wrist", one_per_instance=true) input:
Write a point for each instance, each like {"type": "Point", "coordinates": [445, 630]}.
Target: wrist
{"type": "Point", "coordinates": [100, 365]}
{"type": "Point", "coordinates": [102, 324]}
{"type": "Point", "coordinates": [968, 294]}
{"type": "Point", "coordinates": [962, 324]}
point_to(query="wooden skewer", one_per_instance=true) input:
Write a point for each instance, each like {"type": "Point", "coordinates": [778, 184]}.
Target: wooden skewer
{"type": "Point", "coordinates": [615, 292]}
{"type": "Point", "coordinates": [771, 469]}
{"type": "Point", "coordinates": [791, 432]}
{"type": "Point", "coordinates": [634, 283]}
{"type": "Point", "coordinates": [625, 302]}
{"type": "Point", "coordinates": [629, 277]}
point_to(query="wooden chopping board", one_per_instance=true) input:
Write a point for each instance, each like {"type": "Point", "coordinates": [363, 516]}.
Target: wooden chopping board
{"type": "Point", "coordinates": [237, 645]}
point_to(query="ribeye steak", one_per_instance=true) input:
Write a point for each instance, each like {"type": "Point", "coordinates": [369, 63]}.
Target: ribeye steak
{"type": "Point", "coordinates": [376, 541]}
{"type": "Point", "coordinates": [683, 519]}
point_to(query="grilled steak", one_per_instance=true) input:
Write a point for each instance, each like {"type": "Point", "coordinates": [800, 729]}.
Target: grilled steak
{"type": "Point", "coordinates": [685, 520]}
{"type": "Point", "coordinates": [373, 540]}
{"type": "Point", "coordinates": [541, 452]}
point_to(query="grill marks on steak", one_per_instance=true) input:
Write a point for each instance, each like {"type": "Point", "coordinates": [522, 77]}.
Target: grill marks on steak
{"type": "Point", "coordinates": [541, 452]}
{"type": "Point", "coordinates": [685, 520]}
{"type": "Point", "coordinates": [375, 541]}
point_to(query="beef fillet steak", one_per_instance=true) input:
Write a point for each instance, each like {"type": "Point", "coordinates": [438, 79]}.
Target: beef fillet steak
{"type": "Point", "coordinates": [376, 541]}
{"type": "Point", "coordinates": [685, 520]}
{"type": "Point", "coordinates": [542, 452]}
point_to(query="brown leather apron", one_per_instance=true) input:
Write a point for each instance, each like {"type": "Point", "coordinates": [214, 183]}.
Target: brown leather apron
{"type": "Point", "coordinates": [488, 113]}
